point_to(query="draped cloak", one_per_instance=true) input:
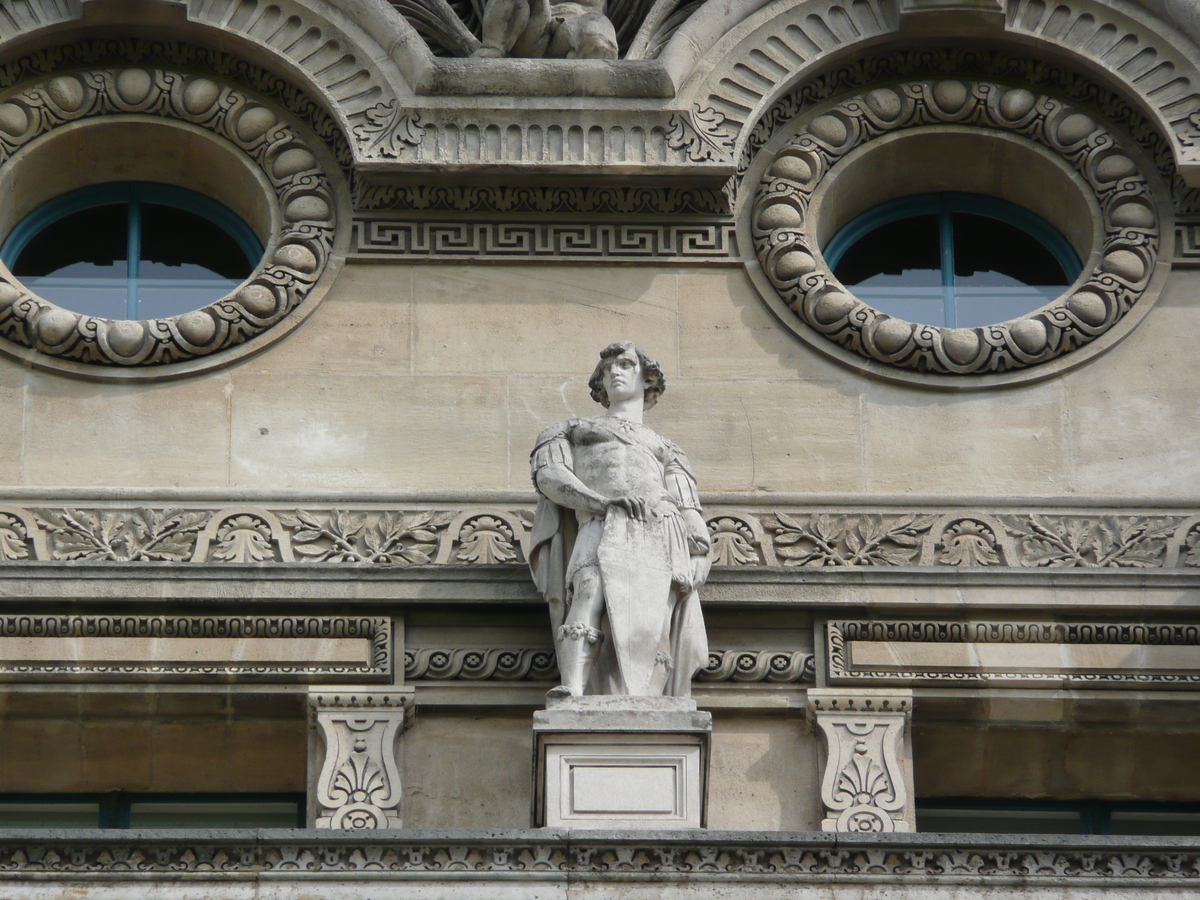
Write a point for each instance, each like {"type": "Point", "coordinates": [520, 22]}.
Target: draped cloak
{"type": "Point", "coordinates": [654, 638]}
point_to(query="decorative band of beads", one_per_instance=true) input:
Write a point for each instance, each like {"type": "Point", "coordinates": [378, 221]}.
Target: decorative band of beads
{"type": "Point", "coordinates": [792, 261]}
{"type": "Point", "coordinates": [298, 253]}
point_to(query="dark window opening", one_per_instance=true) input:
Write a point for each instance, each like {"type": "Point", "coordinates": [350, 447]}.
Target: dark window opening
{"type": "Point", "coordinates": [132, 251]}
{"type": "Point", "coordinates": [953, 260]}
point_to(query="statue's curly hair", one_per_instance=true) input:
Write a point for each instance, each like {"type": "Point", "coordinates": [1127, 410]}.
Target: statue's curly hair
{"type": "Point", "coordinates": [656, 382]}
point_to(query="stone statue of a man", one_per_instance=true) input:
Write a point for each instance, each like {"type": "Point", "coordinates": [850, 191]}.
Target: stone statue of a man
{"type": "Point", "coordinates": [619, 547]}
{"type": "Point", "coordinates": [537, 29]}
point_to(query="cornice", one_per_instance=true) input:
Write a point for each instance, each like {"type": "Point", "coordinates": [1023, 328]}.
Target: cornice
{"type": "Point", "coordinates": [737, 859]}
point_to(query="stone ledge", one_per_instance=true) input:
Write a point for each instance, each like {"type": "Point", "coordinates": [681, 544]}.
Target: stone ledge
{"type": "Point", "coordinates": [744, 859]}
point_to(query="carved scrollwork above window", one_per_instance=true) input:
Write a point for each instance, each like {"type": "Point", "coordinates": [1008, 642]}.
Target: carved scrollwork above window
{"type": "Point", "coordinates": [1043, 150]}
{"type": "Point", "coordinates": [286, 178]}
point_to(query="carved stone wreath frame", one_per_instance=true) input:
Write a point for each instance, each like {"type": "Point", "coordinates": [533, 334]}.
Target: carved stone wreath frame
{"type": "Point", "coordinates": [1103, 305]}
{"type": "Point", "coordinates": [302, 184]}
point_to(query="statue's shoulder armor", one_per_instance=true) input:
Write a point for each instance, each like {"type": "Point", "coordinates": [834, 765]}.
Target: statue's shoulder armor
{"type": "Point", "coordinates": [554, 432]}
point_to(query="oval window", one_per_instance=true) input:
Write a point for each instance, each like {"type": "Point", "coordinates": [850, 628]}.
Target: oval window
{"type": "Point", "coordinates": [953, 260]}
{"type": "Point", "coordinates": [132, 251]}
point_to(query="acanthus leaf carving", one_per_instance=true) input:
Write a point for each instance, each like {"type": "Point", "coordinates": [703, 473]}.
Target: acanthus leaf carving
{"type": "Point", "coordinates": [968, 542]}
{"type": "Point", "coordinates": [243, 539]}
{"type": "Point", "coordinates": [733, 542]}
{"type": "Point", "coordinates": [388, 129]}
{"type": "Point", "coordinates": [699, 135]}
{"type": "Point", "coordinates": [486, 540]}
{"type": "Point", "coordinates": [14, 539]}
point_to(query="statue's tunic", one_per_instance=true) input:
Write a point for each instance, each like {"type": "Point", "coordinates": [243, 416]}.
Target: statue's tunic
{"type": "Point", "coordinates": [654, 639]}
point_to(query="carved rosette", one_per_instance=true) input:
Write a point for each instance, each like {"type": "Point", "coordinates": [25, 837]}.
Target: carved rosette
{"type": "Point", "coordinates": [791, 258]}
{"type": "Point", "coordinates": [297, 253]}
{"type": "Point", "coordinates": [358, 786]}
{"type": "Point", "coordinates": [866, 781]}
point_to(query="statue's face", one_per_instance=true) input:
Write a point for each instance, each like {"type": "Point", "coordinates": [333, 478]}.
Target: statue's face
{"type": "Point", "coordinates": [623, 379]}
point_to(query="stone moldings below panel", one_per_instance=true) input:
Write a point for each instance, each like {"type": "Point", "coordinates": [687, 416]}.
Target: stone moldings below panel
{"type": "Point", "coordinates": [296, 649]}
{"type": "Point", "coordinates": [1076, 654]}
{"type": "Point", "coordinates": [774, 537]}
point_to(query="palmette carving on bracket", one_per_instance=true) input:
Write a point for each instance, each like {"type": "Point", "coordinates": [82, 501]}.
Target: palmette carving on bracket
{"type": "Point", "coordinates": [866, 783]}
{"type": "Point", "coordinates": [298, 253]}
{"type": "Point", "coordinates": [793, 263]}
{"type": "Point", "coordinates": [358, 787]}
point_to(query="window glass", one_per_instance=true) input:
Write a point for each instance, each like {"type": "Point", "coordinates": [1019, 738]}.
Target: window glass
{"type": "Point", "coordinates": [999, 821]}
{"type": "Point", "coordinates": [117, 809]}
{"type": "Point", "coordinates": [953, 260]}
{"type": "Point", "coordinates": [183, 814]}
{"type": "Point", "coordinates": [1154, 822]}
{"type": "Point", "coordinates": [49, 815]}
{"type": "Point", "coordinates": [132, 251]}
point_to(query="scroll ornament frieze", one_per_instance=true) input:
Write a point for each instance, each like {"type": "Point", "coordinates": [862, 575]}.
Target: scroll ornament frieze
{"type": "Point", "coordinates": [499, 536]}
{"type": "Point", "coordinates": [786, 246]}
{"type": "Point", "coordinates": [300, 250]}
{"type": "Point", "coordinates": [539, 664]}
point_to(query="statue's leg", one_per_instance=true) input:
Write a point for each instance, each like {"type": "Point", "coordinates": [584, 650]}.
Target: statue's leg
{"type": "Point", "coordinates": [504, 23]}
{"type": "Point", "coordinates": [578, 639]}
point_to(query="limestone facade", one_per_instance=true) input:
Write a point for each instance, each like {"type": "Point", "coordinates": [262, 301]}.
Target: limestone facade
{"type": "Point", "coordinates": [278, 545]}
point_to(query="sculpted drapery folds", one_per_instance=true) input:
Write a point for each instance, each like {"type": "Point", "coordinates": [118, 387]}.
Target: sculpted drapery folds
{"type": "Point", "coordinates": [619, 547]}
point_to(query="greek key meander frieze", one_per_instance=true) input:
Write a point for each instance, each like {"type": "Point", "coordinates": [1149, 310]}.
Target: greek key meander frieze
{"type": "Point", "coordinates": [1144, 655]}
{"type": "Point", "coordinates": [138, 647]}
{"type": "Point", "coordinates": [538, 664]}
{"type": "Point", "coordinates": [823, 538]}
{"type": "Point", "coordinates": [844, 858]}
{"type": "Point", "coordinates": [1187, 244]}
{"type": "Point", "coordinates": [433, 240]}
{"type": "Point", "coordinates": [786, 246]}
{"type": "Point", "coordinates": [300, 250]}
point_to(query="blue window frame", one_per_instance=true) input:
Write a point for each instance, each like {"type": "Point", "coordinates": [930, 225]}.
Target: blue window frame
{"type": "Point", "coordinates": [954, 260]}
{"type": "Point", "coordinates": [132, 250]}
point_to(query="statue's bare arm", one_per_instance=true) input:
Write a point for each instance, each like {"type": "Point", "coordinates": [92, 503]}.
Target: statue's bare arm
{"type": "Point", "coordinates": [561, 485]}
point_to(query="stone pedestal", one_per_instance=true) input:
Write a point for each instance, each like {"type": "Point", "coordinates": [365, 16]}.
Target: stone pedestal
{"type": "Point", "coordinates": [353, 776]}
{"type": "Point", "coordinates": [621, 762]}
{"type": "Point", "coordinates": [866, 766]}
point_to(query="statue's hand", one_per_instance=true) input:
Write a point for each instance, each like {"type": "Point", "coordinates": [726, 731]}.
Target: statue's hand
{"type": "Point", "coordinates": [699, 542]}
{"type": "Point", "coordinates": [634, 507]}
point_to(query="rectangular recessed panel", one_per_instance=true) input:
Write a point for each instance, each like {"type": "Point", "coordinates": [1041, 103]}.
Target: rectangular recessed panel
{"type": "Point", "coordinates": [184, 650]}
{"type": "Point", "coordinates": [1001, 657]}
{"type": "Point", "coordinates": [626, 790]}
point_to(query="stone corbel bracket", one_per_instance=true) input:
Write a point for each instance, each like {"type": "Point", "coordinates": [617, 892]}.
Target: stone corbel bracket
{"type": "Point", "coordinates": [866, 780]}
{"type": "Point", "coordinates": [352, 738]}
